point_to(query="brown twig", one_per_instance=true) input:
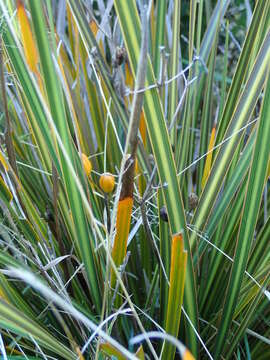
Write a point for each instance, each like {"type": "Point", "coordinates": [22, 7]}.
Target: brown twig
{"type": "Point", "coordinates": [132, 136]}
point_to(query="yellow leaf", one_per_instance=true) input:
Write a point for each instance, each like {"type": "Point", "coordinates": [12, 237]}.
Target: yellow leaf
{"type": "Point", "coordinates": [187, 355]}
{"type": "Point", "coordinates": [110, 350]}
{"type": "Point", "coordinates": [140, 353]}
{"type": "Point", "coordinates": [5, 194]}
{"type": "Point", "coordinates": [93, 27]}
{"type": "Point", "coordinates": [208, 161]}
{"type": "Point", "coordinates": [129, 77]}
{"type": "Point", "coordinates": [3, 161]}
{"type": "Point", "coordinates": [122, 230]}
{"type": "Point", "coordinates": [80, 355]}
{"type": "Point", "coordinates": [143, 128]}
{"type": "Point", "coordinates": [29, 47]}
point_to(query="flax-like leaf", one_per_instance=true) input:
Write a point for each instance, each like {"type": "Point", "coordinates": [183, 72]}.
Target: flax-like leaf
{"type": "Point", "coordinates": [208, 160]}
{"type": "Point", "coordinates": [159, 138]}
{"type": "Point", "coordinates": [256, 181]}
{"type": "Point", "coordinates": [6, 195]}
{"type": "Point", "coordinates": [55, 97]}
{"type": "Point", "coordinates": [176, 292]}
{"type": "Point", "coordinates": [241, 116]}
{"type": "Point", "coordinates": [28, 41]}
{"type": "Point", "coordinates": [123, 219]}
{"type": "Point", "coordinates": [19, 323]}
{"type": "Point", "coordinates": [140, 353]}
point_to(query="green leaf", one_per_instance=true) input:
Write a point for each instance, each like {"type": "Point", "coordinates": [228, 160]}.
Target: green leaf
{"type": "Point", "coordinates": [256, 181]}
{"type": "Point", "coordinates": [20, 324]}
{"type": "Point", "coordinates": [58, 114]}
{"type": "Point", "coordinates": [176, 292]}
{"type": "Point", "coordinates": [159, 138]}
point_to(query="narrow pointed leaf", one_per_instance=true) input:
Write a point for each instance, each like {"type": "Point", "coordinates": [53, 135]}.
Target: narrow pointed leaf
{"type": "Point", "coordinates": [256, 181]}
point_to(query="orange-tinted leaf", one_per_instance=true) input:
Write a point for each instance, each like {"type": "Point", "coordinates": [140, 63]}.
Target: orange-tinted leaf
{"type": "Point", "coordinates": [28, 42]}
{"type": "Point", "coordinates": [93, 27]}
{"type": "Point", "coordinates": [80, 355]}
{"type": "Point", "coordinates": [187, 355]}
{"type": "Point", "coordinates": [129, 77]}
{"type": "Point", "coordinates": [122, 230]}
{"type": "Point", "coordinates": [176, 292]}
{"type": "Point", "coordinates": [3, 161]}
{"type": "Point", "coordinates": [143, 128]}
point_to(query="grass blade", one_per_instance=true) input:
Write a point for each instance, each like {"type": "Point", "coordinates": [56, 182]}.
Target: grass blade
{"type": "Point", "coordinates": [159, 138]}
{"type": "Point", "coordinates": [256, 181]}
{"type": "Point", "coordinates": [176, 292]}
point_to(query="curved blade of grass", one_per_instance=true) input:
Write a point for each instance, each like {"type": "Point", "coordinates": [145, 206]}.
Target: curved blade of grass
{"type": "Point", "coordinates": [257, 176]}
{"type": "Point", "coordinates": [17, 322]}
{"type": "Point", "coordinates": [159, 138]}
{"type": "Point", "coordinates": [34, 282]}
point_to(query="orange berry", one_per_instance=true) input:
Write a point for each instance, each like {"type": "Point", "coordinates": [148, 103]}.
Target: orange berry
{"type": "Point", "coordinates": [87, 165]}
{"type": "Point", "coordinates": [106, 182]}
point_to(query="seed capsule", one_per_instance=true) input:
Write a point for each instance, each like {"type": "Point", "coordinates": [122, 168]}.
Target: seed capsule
{"type": "Point", "coordinates": [163, 213]}
{"type": "Point", "coordinates": [87, 165]}
{"type": "Point", "coordinates": [192, 201]}
{"type": "Point", "coordinates": [106, 182]}
{"type": "Point", "coordinates": [119, 56]}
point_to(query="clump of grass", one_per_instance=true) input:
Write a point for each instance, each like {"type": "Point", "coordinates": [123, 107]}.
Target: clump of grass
{"type": "Point", "coordinates": [134, 179]}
